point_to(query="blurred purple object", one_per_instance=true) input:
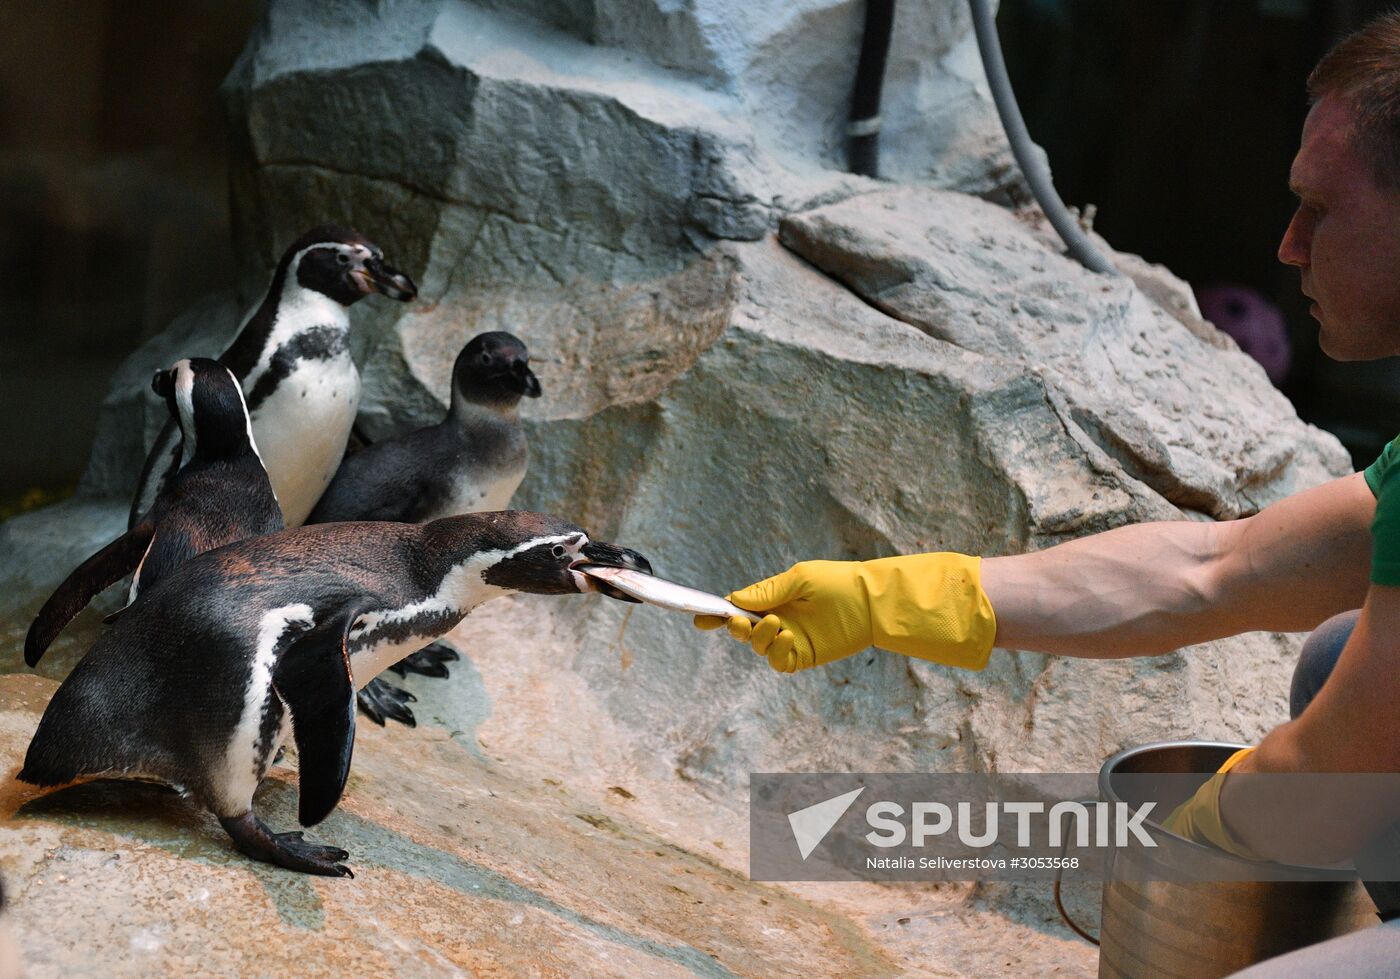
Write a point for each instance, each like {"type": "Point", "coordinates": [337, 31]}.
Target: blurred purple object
{"type": "Point", "coordinates": [1253, 322]}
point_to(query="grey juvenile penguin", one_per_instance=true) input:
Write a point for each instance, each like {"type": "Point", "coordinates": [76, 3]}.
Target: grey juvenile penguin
{"type": "Point", "coordinates": [471, 461]}
{"type": "Point", "coordinates": [292, 359]}
{"type": "Point", "coordinates": [220, 495]}
{"type": "Point", "coordinates": [209, 671]}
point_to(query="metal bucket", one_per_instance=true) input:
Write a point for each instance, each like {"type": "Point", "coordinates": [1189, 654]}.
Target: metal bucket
{"type": "Point", "coordinates": [1207, 928]}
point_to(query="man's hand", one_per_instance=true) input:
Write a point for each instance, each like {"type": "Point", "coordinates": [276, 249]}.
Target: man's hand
{"type": "Point", "coordinates": [816, 614]}
{"type": "Point", "coordinates": [927, 605]}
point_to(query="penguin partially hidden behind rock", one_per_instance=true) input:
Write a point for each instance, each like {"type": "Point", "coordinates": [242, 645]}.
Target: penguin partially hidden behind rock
{"type": "Point", "coordinates": [292, 359]}
{"type": "Point", "coordinates": [472, 461]}
{"type": "Point", "coordinates": [220, 495]}
{"type": "Point", "coordinates": [209, 671]}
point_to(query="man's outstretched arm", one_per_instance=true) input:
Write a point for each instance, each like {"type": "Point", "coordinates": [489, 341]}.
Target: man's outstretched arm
{"type": "Point", "coordinates": [1151, 588]}
{"type": "Point", "coordinates": [1135, 591]}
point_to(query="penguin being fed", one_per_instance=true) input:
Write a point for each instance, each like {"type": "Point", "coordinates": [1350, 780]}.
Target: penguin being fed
{"type": "Point", "coordinates": [292, 359]}
{"type": "Point", "coordinates": [212, 669]}
{"type": "Point", "coordinates": [220, 495]}
{"type": "Point", "coordinates": [471, 461]}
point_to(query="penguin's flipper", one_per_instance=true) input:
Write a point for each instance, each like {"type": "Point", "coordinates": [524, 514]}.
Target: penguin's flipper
{"type": "Point", "coordinates": [109, 565]}
{"type": "Point", "coordinates": [160, 466]}
{"type": "Point", "coordinates": [313, 676]}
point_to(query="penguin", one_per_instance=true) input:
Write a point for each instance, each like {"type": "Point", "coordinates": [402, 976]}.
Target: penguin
{"type": "Point", "coordinates": [471, 461]}
{"type": "Point", "coordinates": [292, 359]}
{"type": "Point", "coordinates": [213, 668]}
{"type": "Point", "coordinates": [220, 495]}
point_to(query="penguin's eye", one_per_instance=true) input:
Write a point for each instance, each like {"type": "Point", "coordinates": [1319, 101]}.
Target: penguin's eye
{"type": "Point", "coordinates": [485, 360]}
{"type": "Point", "coordinates": [342, 258]}
{"type": "Point", "coordinates": [558, 551]}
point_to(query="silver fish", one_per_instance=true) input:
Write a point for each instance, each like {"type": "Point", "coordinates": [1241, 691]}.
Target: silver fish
{"type": "Point", "coordinates": [664, 594]}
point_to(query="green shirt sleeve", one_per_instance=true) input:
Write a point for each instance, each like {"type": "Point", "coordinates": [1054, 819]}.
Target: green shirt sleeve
{"type": "Point", "coordinates": [1383, 476]}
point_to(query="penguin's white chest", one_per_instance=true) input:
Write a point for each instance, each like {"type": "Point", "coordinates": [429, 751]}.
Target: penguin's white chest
{"type": "Point", "coordinates": [368, 663]}
{"type": "Point", "coordinates": [491, 490]}
{"type": "Point", "coordinates": [301, 429]}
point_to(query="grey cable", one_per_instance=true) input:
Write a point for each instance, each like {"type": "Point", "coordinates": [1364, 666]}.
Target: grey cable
{"type": "Point", "coordinates": [1037, 175]}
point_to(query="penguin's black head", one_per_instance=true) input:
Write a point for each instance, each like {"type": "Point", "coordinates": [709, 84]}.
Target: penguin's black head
{"type": "Point", "coordinates": [345, 265]}
{"type": "Point", "coordinates": [494, 369]}
{"type": "Point", "coordinates": [533, 552]}
{"type": "Point", "coordinates": [207, 403]}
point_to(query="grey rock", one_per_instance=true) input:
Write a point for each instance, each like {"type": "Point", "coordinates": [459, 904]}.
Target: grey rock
{"type": "Point", "coordinates": [131, 414]}
{"type": "Point", "coordinates": [1137, 378]}
{"type": "Point", "coordinates": [37, 551]}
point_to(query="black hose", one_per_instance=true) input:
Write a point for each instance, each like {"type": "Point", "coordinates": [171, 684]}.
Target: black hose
{"type": "Point", "coordinates": [1037, 175]}
{"type": "Point", "coordinates": [863, 131]}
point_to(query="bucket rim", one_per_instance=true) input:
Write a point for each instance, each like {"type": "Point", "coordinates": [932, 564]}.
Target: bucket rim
{"type": "Point", "coordinates": [1110, 764]}
{"type": "Point", "coordinates": [1116, 759]}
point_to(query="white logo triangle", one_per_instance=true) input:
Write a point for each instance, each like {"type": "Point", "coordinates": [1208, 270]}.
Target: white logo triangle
{"type": "Point", "coordinates": [810, 825]}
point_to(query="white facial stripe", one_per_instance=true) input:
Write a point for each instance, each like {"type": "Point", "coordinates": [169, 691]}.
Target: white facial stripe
{"type": "Point", "coordinates": [463, 588]}
{"type": "Point", "coordinates": [248, 424]}
{"type": "Point", "coordinates": [184, 403]}
{"type": "Point", "coordinates": [241, 763]}
{"type": "Point", "coordinates": [340, 246]}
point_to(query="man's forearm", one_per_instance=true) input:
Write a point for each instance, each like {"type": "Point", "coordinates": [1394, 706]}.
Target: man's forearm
{"type": "Point", "coordinates": [1150, 588]}
{"type": "Point", "coordinates": [1138, 590]}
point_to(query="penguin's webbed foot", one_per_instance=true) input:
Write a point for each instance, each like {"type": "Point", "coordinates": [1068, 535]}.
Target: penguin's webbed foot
{"type": "Point", "coordinates": [429, 661]}
{"type": "Point", "coordinates": [288, 850]}
{"type": "Point", "coordinates": [380, 699]}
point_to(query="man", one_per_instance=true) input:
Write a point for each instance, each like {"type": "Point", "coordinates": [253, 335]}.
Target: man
{"type": "Point", "coordinates": [1156, 587]}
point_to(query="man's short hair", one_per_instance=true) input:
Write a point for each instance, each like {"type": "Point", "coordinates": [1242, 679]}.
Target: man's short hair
{"type": "Point", "coordinates": [1364, 69]}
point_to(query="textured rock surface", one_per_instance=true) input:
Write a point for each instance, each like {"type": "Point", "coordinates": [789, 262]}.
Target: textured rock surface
{"type": "Point", "coordinates": [1134, 378]}
{"type": "Point", "coordinates": [748, 359]}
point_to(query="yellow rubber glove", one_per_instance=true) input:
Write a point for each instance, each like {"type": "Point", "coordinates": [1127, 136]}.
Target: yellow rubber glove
{"type": "Point", "coordinates": [926, 605]}
{"type": "Point", "coordinates": [1198, 818]}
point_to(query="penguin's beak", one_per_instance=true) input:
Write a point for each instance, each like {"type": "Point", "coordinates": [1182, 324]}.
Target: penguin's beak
{"type": "Point", "coordinates": [612, 556]}
{"type": "Point", "coordinates": [375, 276]}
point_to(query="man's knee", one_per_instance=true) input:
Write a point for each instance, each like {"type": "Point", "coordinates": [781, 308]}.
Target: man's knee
{"type": "Point", "coordinates": [1319, 656]}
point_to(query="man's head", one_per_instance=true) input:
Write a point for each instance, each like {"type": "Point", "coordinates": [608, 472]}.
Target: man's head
{"type": "Point", "coordinates": [1345, 235]}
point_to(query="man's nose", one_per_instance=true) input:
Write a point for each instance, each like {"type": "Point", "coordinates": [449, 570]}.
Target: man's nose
{"type": "Point", "coordinates": [1296, 246]}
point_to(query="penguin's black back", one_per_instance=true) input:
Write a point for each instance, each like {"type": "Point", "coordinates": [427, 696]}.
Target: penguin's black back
{"type": "Point", "coordinates": [208, 505]}
{"type": "Point", "coordinates": [416, 476]}
{"type": "Point", "coordinates": [394, 479]}
{"type": "Point", "coordinates": [162, 691]}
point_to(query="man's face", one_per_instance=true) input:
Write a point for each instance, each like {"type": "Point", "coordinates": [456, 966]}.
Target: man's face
{"type": "Point", "coordinates": [1345, 238]}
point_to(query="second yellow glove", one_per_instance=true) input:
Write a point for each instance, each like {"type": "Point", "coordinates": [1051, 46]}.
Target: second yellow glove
{"type": "Point", "coordinates": [1198, 818]}
{"type": "Point", "coordinates": [930, 606]}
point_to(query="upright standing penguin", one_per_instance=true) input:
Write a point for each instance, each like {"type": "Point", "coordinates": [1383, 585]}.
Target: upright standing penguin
{"type": "Point", "coordinates": [471, 461]}
{"type": "Point", "coordinates": [292, 359]}
{"type": "Point", "coordinates": [202, 680]}
{"type": "Point", "coordinates": [220, 495]}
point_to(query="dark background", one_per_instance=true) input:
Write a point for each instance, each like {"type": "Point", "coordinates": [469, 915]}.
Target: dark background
{"type": "Point", "coordinates": [113, 205]}
{"type": "Point", "coordinates": [1177, 118]}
